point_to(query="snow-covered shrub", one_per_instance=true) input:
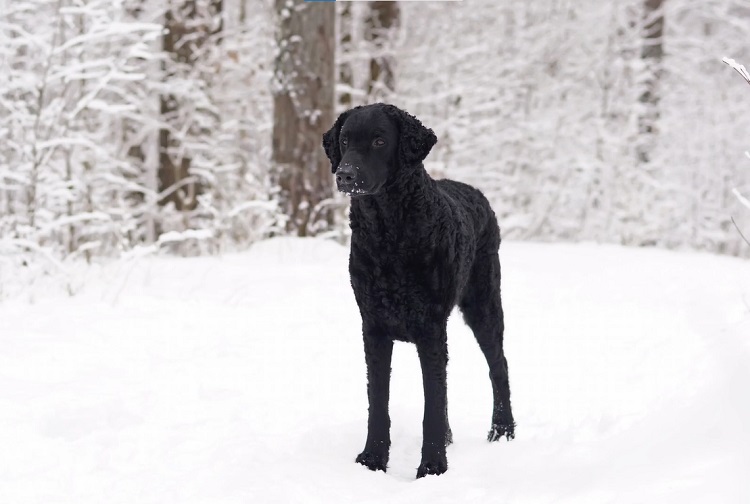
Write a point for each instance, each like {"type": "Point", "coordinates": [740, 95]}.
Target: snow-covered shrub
{"type": "Point", "coordinates": [79, 126]}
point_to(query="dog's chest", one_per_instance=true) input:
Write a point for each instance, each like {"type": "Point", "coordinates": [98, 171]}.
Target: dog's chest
{"type": "Point", "coordinates": [395, 283]}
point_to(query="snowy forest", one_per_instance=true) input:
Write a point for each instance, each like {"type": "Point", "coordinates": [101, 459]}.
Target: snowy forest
{"type": "Point", "coordinates": [193, 126]}
{"type": "Point", "coordinates": [177, 316]}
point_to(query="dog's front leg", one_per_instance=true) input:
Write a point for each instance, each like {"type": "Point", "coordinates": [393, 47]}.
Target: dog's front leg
{"type": "Point", "coordinates": [378, 352]}
{"type": "Point", "coordinates": [433, 356]}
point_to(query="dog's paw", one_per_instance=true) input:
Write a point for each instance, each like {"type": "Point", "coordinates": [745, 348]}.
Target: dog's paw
{"type": "Point", "coordinates": [499, 431]}
{"type": "Point", "coordinates": [372, 461]}
{"type": "Point", "coordinates": [436, 467]}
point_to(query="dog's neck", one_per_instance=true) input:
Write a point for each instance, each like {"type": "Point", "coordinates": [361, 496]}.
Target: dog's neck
{"type": "Point", "coordinates": [404, 198]}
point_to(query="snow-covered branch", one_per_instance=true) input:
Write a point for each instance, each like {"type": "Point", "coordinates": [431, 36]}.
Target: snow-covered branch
{"type": "Point", "coordinates": [740, 69]}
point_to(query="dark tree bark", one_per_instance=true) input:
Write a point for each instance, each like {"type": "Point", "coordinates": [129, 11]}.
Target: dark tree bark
{"type": "Point", "coordinates": [303, 111]}
{"type": "Point", "coordinates": [652, 54]}
{"type": "Point", "coordinates": [188, 26]}
{"type": "Point", "coordinates": [382, 19]}
{"type": "Point", "coordinates": [346, 74]}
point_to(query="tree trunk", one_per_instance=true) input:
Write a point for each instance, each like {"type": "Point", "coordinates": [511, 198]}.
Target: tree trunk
{"type": "Point", "coordinates": [303, 111]}
{"type": "Point", "coordinates": [383, 18]}
{"type": "Point", "coordinates": [652, 53]}
{"type": "Point", "coordinates": [345, 71]}
{"type": "Point", "coordinates": [188, 25]}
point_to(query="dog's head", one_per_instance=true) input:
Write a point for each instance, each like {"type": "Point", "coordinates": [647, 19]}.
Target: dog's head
{"type": "Point", "coordinates": [371, 144]}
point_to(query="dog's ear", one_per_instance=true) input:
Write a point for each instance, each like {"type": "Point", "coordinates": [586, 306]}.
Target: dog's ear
{"type": "Point", "coordinates": [331, 141]}
{"type": "Point", "coordinates": [415, 140]}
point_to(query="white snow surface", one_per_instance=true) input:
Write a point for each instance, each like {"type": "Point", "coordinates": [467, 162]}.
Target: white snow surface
{"type": "Point", "coordinates": [241, 379]}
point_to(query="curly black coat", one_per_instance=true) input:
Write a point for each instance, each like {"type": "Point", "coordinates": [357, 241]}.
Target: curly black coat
{"type": "Point", "coordinates": [419, 247]}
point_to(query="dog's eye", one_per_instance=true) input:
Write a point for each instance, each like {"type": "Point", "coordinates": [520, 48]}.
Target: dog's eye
{"type": "Point", "coordinates": [344, 141]}
{"type": "Point", "coordinates": [378, 142]}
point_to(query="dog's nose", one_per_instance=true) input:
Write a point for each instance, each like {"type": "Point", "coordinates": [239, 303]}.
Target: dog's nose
{"type": "Point", "coordinates": [345, 174]}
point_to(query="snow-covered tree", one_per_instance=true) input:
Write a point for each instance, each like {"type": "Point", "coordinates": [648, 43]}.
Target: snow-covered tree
{"type": "Point", "coordinates": [303, 98]}
{"type": "Point", "coordinates": [81, 122]}
{"type": "Point", "coordinates": [540, 104]}
{"type": "Point", "coordinates": [652, 56]}
{"type": "Point", "coordinates": [381, 21]}
{"type": "Point", "coordinates": [65, 92]}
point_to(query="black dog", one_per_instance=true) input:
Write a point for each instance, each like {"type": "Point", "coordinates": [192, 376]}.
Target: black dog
{"type": "Point", "coordinates": [419, 247]}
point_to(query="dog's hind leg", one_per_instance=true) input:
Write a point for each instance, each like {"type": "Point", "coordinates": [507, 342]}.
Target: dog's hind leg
{"type": "Point", "coordinates": [483, 312]}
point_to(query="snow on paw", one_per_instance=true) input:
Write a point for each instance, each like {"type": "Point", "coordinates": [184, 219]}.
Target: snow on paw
{"type": "Point", "coordinates": [372, 461]}
{"type": "Point", "coordinates": [432, 467]}
{"type": "Point", "coordinates": [499, 431]}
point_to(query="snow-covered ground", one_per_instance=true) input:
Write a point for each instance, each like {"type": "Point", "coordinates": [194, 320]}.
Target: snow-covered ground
{"type": "Point", "coordinates": [240, 379]}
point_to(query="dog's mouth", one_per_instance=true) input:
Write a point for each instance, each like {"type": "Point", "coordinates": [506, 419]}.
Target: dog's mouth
{"type": "Point", "coordinates": [354, 189]}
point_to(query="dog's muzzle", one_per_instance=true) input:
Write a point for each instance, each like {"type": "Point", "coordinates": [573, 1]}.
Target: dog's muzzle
{"type": "Point", "coordinates": [348, 180]}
